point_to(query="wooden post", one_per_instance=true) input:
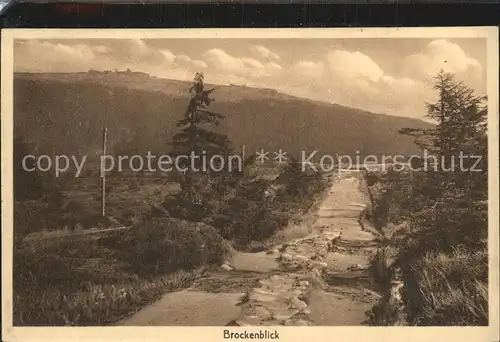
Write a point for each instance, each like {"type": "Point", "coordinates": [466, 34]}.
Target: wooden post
{"type": "Point", "coordinates": [103, 175]}
{"type": "Point", "coordinates": [412, 180]}
{"type": "Point", "coordinates": [54, 203]}
{"type": "Point", "coordinates": [54, 177]}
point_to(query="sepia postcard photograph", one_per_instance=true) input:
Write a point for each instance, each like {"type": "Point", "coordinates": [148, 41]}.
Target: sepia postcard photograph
{"type": "Point", "coordinates": [236, 184]}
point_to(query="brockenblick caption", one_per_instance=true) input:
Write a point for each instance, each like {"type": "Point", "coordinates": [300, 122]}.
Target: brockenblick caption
{"type": "Point", "coordinates": [249, 335]}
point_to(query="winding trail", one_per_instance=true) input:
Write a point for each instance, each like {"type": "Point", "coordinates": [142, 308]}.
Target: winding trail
{"type": "Point", "coordinates": [307, 281]}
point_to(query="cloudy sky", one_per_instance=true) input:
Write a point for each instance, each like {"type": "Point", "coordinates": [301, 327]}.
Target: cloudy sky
{"type": "Point", "coordinates": [392, 76]}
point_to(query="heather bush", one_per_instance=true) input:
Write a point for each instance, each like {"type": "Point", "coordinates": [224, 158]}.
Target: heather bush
{"type": "Point", "coordinates": [162, 245]}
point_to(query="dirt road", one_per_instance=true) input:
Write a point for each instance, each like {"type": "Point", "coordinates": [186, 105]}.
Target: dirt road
{"type": "Point", "coordinates": [314, 280]}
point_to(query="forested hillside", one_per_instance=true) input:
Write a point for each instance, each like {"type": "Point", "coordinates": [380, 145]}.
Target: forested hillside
{"type": "Point", "coordinates": [66, 112]}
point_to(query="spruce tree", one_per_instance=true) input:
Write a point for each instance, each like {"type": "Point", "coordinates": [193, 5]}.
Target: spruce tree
{"type": "Point", "coordinates": [197, 139]}
{"type": "Point", "coordinates": [460, 117]}
{"type": "Point", "coordinates": [449, 200]}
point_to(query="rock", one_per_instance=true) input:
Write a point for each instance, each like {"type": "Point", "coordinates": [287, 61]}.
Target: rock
{"type": "Point", "coordinates": [358, 267]}
{"type": "Point", "coordinates": [303, 283]}
{"type": "Point", "coordinates": [286, 257]}
{"type": "Point", "coordinates": [263, 296]}
{"type": "Point", "coordinates": [159, 211]}
{"type": "Point", "coordinates": [292, 265]}
{"type": "Point", "coordinates": [247, 322]}
{"type": "Point", "coordinates": [233, 323]}
{"type": "Point", "coordinates": [226, 267]}
{"type": "Point", "coordinates": [274, 281]}
{"type": "Point", "coordinates": [301, 259]}
{"type": "Point", "coordinates": [297, 322]}
{"type": "Point", "coordinates": [263, 313]}
{"type": "Point", "coordinates": [317, 257]}
{"type": "Point", "coordinates": [321, 265]}
{"type": "Point", "coordinates": [323, 252]}
{"type": "Point", "coordinates": [256, 247]}
{"type": "Point", "coordinates": [282, 248]}
{"type": "Point", "coordinates": [315, 279]}
{"type": "Point", "coordinates": [287, 316]}
{"type": "Point", "coordinates": [298, 304]}
{"type": "Point", "coordinates": [395, 291]}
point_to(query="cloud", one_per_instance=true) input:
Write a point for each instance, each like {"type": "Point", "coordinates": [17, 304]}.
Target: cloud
{"type": "Point", "coordinates": [199, 64]}
{"type": "Point", "coordinates": [354, 79]}
{"type": "Point", "coordinates": [240, 66]}
{"type": "Point", "coordinates": [34, 55]}
{"type": "Point", "coordinates": [137, 47]}
{"type": "Point", "coordinates": [169, 56]}
{"type": "Point", "coordinates": [50, 55]}
{"type": "Point", "coordinates": [139, 55]}
{"type": "Point", "coordinates": [264, 52]}
{"type": "Point", "coordinates": [187, 62]}
{"type": "Point", "coordinates": [132, 51]}
{"type": "Point", "coordinates": [354, 65]}
{"type": "Point", "coordinates": [272, 66]}
{"type": "Point", "coordinates": [309, 69]}
{"type": "Point", "coordinates": [440, 54]}
{"type": "Point", "coordinates": [101, 49]}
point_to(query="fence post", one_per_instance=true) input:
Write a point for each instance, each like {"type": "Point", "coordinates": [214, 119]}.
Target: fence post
{"type": "Point", "coordinates": [103, 174]}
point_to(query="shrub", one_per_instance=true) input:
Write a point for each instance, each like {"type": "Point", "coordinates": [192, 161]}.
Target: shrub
{"type": "Point", "coordinates": [181, 208]}
{"type": "Point", "coordinates": [164, 245]}
{"type": "Point", "coordinates": [245, 221]}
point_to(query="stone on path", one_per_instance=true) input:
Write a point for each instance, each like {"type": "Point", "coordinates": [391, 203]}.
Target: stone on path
{"type": "Point", "coordinates": [226, 267]}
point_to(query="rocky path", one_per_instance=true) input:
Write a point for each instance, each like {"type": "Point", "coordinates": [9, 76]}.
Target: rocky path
{"type": "Point", "coordinates": [319, 279]}
{"type": "Point", "coordinates": [325, 278]}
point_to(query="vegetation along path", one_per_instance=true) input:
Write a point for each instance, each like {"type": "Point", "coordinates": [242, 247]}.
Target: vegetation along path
{"type": "Point", "coordinates": [319, 279]}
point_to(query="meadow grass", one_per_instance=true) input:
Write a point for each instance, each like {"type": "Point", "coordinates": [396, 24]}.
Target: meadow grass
{"type": "Point", "coordinates": [452, 289]}
{"type": "Point", "coordinates": [98, 304]}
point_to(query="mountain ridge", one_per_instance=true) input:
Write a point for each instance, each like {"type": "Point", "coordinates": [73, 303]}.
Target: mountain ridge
{"type": "Point", "coordinates": [137, 76]}
{"type": "Point", "coordinates": [67, 111]}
